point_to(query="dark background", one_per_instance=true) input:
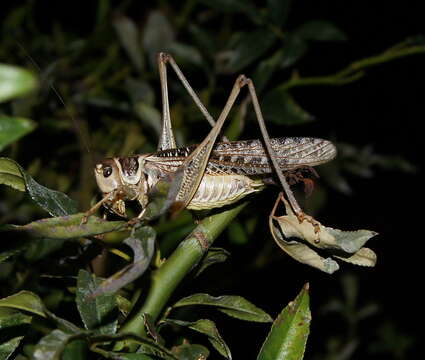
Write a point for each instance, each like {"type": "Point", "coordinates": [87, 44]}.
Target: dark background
{"type": "Point", "coordinates": [384, 110]}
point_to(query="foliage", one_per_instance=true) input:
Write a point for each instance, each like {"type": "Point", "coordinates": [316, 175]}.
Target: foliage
{"type": "Point", "coordinates": [68, 95]}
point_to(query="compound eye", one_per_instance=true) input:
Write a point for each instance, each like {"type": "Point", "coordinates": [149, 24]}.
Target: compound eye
{"type": "Point", "coordinates": [107, 171]}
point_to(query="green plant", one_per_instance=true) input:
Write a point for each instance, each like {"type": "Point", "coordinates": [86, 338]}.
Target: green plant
{"type": "Point", "coordinates": [63, 308]}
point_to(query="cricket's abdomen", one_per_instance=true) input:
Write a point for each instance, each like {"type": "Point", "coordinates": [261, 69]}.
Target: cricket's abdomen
{"type": "Point", "coordinates": [220, 190]}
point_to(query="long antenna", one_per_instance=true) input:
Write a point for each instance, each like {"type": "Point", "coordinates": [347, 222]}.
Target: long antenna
{"type": "Point", "coordinates": [57, 93]}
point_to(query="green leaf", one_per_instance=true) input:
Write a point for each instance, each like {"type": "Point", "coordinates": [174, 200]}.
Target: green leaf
{"type": "Point", "coordinates": [148, 347]}
{"type": "Point", "coordinates": [7, 348]}
{"type": "Point", "coordinates": [67, 227]}
{"type": "Point", "coordinates": [232, 6]}
{"type": "Point", "coordinates": [128, 35]}
{"type": "Point", "coordinates": [288, 336]}
{"type": "Point", "coordinates": [152, 329]}
{"type": "Point", "coordinates": [278, 11]}
{"type": "Point", "coordinates": [38, 249]}
{"type": "Point", "coordinates": [30, 302]}
{"type": "Point", "coordinates": [149, 115]}
{"type": "Point", "coordinates": [76, 350]}
{"type": "Point", "coordinates": [9, 253]}
{"type": "Point", "coordinates": [54, 202]}
{"type": "Point", "coordinates": [187, 53]}
{"type": "Point", "coordinates": [11, 175]}
{"type": "Point", "coordinates": [51, 346]}
{"type": "Point", "coordinates": [12, 318]}
{"type": "Point", "coordinates": [235, 306]}
{"type": "Point", "coordinates": [249, 48]}
{"type": "Point", "coordinates": [187, 351]}
{"type": "Point", "coordinates": [344, 245]}
{"type": "Point", "coordinates": [320, 31]}
{"type": "Point", "coordinates": [302, 253]}
{"type": "Point", "coordinates": [13, 128]}
{"type": "Point", "coordinates": [142, 242]}
{"type": "Point", "coordinates": [203, 39]}
{"type": "Point", "coordinates": [280, 107]}
{"type": "Point", "coordinates": [15, 82]}
{"type": "Point", "coordinates": [127, 356]}
{"type": "Point", "coordinates": [294, 48]}
{"type": "Point", "coordinates": [63, 324]}
{"type": "Point", "coordinates": [266, 68]}
{"type": "Point", "coordinates": [213, 256]}
{"type": "Point", "coordinates": [97, 313]}
{"type": "Point", "coordinates": [24, 300]}
{"type": "Point", "coordinates": [158, 35]}
{"type": "Point", "coordinates": [206, 327]}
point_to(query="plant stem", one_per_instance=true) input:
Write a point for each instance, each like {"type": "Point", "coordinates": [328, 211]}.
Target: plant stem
{"type": "Point", "coordinates": [355, 70]}
{"type": "Point", "coordinates": [166, 278]}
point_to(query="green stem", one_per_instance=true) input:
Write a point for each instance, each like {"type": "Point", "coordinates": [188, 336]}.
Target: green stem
{"type": "Point", "coordinates": [166, 278]}
{"type": "Point", "coordinates": [355, 70]}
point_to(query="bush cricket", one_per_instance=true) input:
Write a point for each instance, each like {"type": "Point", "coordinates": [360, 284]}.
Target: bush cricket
{"type": "Point", "coordinates": [211, 174]}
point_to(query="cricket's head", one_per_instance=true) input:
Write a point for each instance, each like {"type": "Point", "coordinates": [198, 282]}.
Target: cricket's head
{"type": "Point", "coordinates": [119, 173]}
{"type": "Point", "coordinates": [107, 176]}
{"type": "Point", "coordinates": [121, 179]}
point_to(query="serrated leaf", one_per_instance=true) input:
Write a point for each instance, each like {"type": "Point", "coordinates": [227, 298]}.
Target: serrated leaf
{"type": "Point", "coordinates": [7, 348]}
{"type": "Point", "coordinates": [129, 37]}
{"type": "Point", "coordinates": [235, 306]}
{"type": "Point", "coordinates": [13, 128]}
{"type": "Point", "coordinates": [97, 313]}
{"type": "Point", "coordinates": [67, 227]}
{"type": "Point", "coordinates": [26, 301]}
{"type": "Point", "coordinates": [206, 327]}
{"type": "Point", "coordinates": [288, 336]}
{"type": "Point", "coordinates": [320, 31]}
{"type": "Point", "coordinates": [15, 82]}
{"type": "Point", "coordinates": [142, 242]}
{"type": "Point", "coordinates": [249, 48]}
{"type": "Point", "coordinates": [280, 107]}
